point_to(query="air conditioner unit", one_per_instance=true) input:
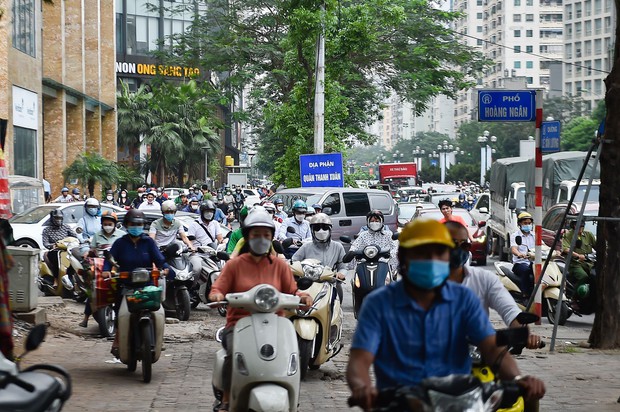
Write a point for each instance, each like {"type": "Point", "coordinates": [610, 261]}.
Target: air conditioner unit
{"type": "Point", "coordinates": [23, 291]}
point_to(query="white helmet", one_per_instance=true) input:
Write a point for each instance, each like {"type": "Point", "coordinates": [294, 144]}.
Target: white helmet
{"type": "Point", "coordinates": [168, 206]}
{"type": "Point", "coordinates": [257, 217]}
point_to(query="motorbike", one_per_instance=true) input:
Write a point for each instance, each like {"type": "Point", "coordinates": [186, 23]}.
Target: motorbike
{"type": "Point", "coordinates": [60, 283]}
{"type": "Point", "coordinates": [102, 298]}
{"type": "Point", "coordinates": [458, 392]}
{"type": "Point", "coordinates": [177, 297]}
{"type": "Point", "coordinates": [212, 263]}
{"type": "Point", "coordinates": [582, 300]}
{"type": "Point", "coordinates": [319, 328]}
{"type": "Point", "coordinates": [550, 287]}
{"type": "Point", "coordinates": [34, 388]}
{"type": "Point", "coordinates": [265, 368]}
{"type": "Point", "coordinates": [370, 272]}
{"type": "Point", "coordinates": [141, 319]}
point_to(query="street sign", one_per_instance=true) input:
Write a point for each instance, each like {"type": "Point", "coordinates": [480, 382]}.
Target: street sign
{"type": "Point", "coordinates": [550, 137]}
{"type": "Point", "coordinates": [321, 170]}
{"type": "Point", "coordinates": [506, 105]}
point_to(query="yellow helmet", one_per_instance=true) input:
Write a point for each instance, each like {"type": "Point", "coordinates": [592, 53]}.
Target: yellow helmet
{"type": "Point", "coordinates": [420, 232]}
{"type": "Point", "coordinates": [524, 215]}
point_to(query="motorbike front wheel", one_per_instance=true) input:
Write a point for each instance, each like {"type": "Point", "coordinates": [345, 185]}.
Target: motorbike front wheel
{"type": "Point", "coordinates": [183, 304]}
{"type": "Point", "coordinates": [106, 319]}
{"type": "Point", "coordinates": [147, 358]}
{"type": "Point", "coordinates": [551, 313]}
{"type": "Point", "coordinates": [305, 354]}
{"type": "Point", "coordinates": [194, 299]}
{"type": "Point", "coordinates": [222, 311]}
{"type": "Point", "coordinates": [358, 298]}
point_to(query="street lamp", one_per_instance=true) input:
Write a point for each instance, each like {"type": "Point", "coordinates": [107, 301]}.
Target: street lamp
{"type": "Point", "coordinates": [398, 156]}
{"type": "Point", "coordinates": [417, 155]}
{"type": "Point", "coordinates": [485, 161]}
{"type": "Point", "coordinates": [444, 149]}
{"type": "Point", "coordinates": [432, 156]}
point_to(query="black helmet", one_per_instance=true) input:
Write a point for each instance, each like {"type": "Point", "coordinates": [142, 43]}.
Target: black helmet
{"type": "Point", "coordinates": [207, 205]}
{"type": "Point", "coordinates": [56, 214]}
{"type": "Point", "coordinates": [134, 216]}
{"type": "Point", "coordinates": [374, 213]}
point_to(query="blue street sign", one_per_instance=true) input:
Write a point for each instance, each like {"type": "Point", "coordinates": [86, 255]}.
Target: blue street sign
{"type": "Point", "coordinates": [321, 170]}
{"type": "Point", "coordinates": [550, 137]}
{"type": "Point", "coordinates": [506, 105]}
{"type": "Point", "coordinates": [434, 163]}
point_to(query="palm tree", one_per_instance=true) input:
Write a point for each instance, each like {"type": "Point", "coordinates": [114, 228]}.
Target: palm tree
{"type": "Point", "coordinates": [91, 168]}
{"type": "Point", "coordinates": [135, 116]}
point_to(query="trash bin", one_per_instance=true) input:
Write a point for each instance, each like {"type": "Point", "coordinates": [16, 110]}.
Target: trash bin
{"type": "Point", "coordinates": [23, 291]}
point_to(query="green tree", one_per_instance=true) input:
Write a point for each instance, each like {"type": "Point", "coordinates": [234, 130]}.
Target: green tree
{"type": "Point", "coordinates": [578, 134]}
{"type": "Point", "coordinates": [134, 115]}
{"type": "Point", "coordinates": [373, 48]}
{"type": "Point", "coordinates": [463, 172]}
{"type": "Point", "coordinates": [508, 135]}
{"type": "Point", "coordinates": [128, 176]}
{"type": "Point", "coordinates": [90, 169]}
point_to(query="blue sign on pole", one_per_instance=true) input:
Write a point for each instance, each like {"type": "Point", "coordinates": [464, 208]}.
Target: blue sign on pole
{"type": "Point", "coordinates": [506, 105]}
{"type": "Point", "coordinates": [321, 170]}
{"type": "Point", "coordinates": [550, 137]}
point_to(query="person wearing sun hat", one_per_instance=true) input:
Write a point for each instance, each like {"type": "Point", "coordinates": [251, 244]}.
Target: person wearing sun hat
{"type": "Point", "coordinates": [422, 326]}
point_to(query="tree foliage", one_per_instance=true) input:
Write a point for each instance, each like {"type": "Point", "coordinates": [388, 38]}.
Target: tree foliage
{"type": "Point", "coordinates": [90, 169]}
{"type": "Point", "coordinates": [373, 48]}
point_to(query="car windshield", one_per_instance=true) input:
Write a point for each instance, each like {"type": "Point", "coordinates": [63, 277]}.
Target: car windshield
{"type": "Point", "coordinates": [521, 198]}
{"type": "Point", "coordinates": [592, 196]}
{"type": "Point", "coordinates": [289, 199]}
{"type": "Point", "coordinates": [33, 215]}
{"type": "Point", "coordinates": [406, 211]}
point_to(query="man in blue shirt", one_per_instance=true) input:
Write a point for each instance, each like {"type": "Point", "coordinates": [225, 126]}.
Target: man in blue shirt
{"type": "Point", "coordinates": [421, 326]}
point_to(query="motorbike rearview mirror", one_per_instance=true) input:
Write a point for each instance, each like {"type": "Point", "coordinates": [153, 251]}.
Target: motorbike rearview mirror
{"type": "Point", "coordinates": [525, 318]}
{"type": "Point", "coordinates": [512, 204]}
{"type": "Point", "coordinates": [35, 337]}
{"type": "Point", "coordinates": [286, 243]}
{"type": "Point", "coordinates": [482, 223]}
{"type": "Point", "coordinates": [395, 235]}
{"type": "Point", "coordinates": [221, 255]}
{"type": "Point", "coordinates": [277, 246]}
{"type": "Point", "coordinates": [290, 229]}
{"type": "Point", "coordinates": [304, 283]}
{"type": "Point", "coordinates": [518, 240]}
{"type": "Point", "coordinates": [348, 256]}
{"type": "Point", "coordinates": [512, 337]}
{"type": "Point", "coordinates": [345, 239]}
{"type": "Point", "coordinates": [78, 230]}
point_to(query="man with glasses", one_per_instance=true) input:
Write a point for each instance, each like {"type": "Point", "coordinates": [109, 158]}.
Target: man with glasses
{"type": "Point", "coordinates": [484, 284]}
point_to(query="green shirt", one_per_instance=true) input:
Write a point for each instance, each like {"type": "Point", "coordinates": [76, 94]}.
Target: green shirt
{"type": "Point", "coordinates": [587, 242]}
{"type": "Point", "coordinates": [100, 240]}
{"type": "Point", "coordinates": [235, 236]}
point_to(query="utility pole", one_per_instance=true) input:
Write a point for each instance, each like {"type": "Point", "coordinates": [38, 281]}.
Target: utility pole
{"type": "Point", "coordinates": [319, 91]}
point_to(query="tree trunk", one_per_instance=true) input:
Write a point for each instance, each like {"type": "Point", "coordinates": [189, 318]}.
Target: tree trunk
{"type": "Point", "coordinates": [606, 329]}
{"type": "Point", "coordinates": [91, 188]}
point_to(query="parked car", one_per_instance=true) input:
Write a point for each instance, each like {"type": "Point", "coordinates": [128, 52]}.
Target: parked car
{"type": "Point", "coordinates": [552, 220]}
{"type": "Point", "coordinates": [251, 197]}
{"type": "Point", "coordinates": [482, 208]}
{"type": "Point", "coordinates": [28, 226]}
{"type": "Point", "coordinates": [347, 207]}
{"type": "Point", "coordinates": [174, 192]}
{"type": "Point", "coordinates": [479, 247]}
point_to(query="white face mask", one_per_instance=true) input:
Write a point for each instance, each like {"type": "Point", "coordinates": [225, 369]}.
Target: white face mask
{"type": "Point", "coordinates": [300, 217]}
{"type": "Point", "coordinates": [321, 235]}
{"type": "Point", "coordinates": [109, 197]}
{"type": "Point", "coordinates": [76, 196]}
{"type": "Point", "coordinates": [375, 226]}
{"type": "Point", "coordinates": [194, 207]}
{"type": "Point", "coordinates": [207, 215]}
{"type": "Point", "coordinates": [280, 208]}
{"type": "Point", "coordinates": [108, 228]}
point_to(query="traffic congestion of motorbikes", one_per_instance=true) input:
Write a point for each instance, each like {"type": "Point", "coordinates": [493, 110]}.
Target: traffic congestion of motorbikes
{"type": "Point", "coordinates": [182, 245]}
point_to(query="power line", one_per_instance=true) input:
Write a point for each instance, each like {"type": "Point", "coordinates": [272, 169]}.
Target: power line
{"type": "Point", "coordinates": [530, 53]}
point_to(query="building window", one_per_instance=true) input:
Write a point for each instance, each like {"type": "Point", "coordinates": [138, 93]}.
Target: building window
{"type": "Point", "coordinates": [479, 29]}
{"type": "Point", "coordinates": [517, 33]}
{"type": "Point", "coordinates": [25, 151]}
{"type": "Point", "coordinates": [529, 17]}
{"type": "Point", "coordinates": [479, 16]}
{"type": "Point", "coordinates": [530, 80]}
{"type": "Point", "coordinates": [516, 17]}
{"type": "Point", "coordinates": [479, 42]}
{"type": "Point", "coordinates": [23, 26]}
{"type": "Point", "coordinates": [529, 64]}
{"type": "Point", "coordinates": [529, 2]}
{"type": "Point", "coordinates": [517, 64]}
{"type": "Point", "coordinates": [529, 33]}
{"type": "Point", "coordinates": [478, 2]}
{"type": "Point", "coordinates": [529, 49]}
{"type": "Point", "coordinates": [517, 2]}
{"type": "Point", "coordinates": [517, 49]}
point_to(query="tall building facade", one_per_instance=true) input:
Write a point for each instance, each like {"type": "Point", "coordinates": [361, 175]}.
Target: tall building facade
{"type": "Point", "coordinates": [589, 37]}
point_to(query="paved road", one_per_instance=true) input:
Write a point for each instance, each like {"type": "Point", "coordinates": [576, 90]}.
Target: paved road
{"type": "Point", "coordinates": [577, 379]}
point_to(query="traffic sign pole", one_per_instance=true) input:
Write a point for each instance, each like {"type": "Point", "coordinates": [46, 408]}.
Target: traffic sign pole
{"type": "Point", "coordinates": [538, 180]}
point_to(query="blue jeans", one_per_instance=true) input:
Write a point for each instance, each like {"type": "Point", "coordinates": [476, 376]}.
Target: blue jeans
{"type": "Point", "coordinates": [525, 272]}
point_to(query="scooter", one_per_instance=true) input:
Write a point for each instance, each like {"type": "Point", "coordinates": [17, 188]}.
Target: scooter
{"type": "Point", "coordinates": [458, 392]}
{"type": "Point", "coordinates": [582, 300]}
{"type": "Point", "coordinates": [265, 366]}
{"type": "Point", "coordinates": [30, 389]}
{"type": "Point", "coordinates": [141, 319]}
{"type": "Point", "coordinates": [177, 297]}
{"type": "Point", "coordinates": [319, 329]}
{"type": "Point", "coordinates": [102, 299]}
{"type": "Point", "coordinates": [370, 272]}
{"type": "Point", "coordinates": [59, 284]}
{"type": "Point", "coordinates": [212, 263]}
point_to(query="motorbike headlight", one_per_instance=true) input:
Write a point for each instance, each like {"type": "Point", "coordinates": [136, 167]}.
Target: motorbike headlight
{"type": "Point", "coordinates": [480, 239]}
{"type": "Point", "coordinates": [266, 298]}
{"type": "Point", "coordinates": [140, 276]}
{"type": "Point", "coordinates": [313, 272]}
{"type": "Point", "coordinates": [371, 251]}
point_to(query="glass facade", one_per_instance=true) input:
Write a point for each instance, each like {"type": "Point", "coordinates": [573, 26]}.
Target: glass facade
{"type": "Point", "coordinates": [24, 28]}
{"type": "Point", "coordinates": [25, 151]}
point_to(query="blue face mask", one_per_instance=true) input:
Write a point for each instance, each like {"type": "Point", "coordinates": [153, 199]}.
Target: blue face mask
{"type": "Point", "coordinates": [135, 230]}
{"type": "Point", "coordinates": [428, 274]}
{"type": "Point", "coordinates": [526, 228]}
{"type": "Point", "coordinates": [92, 211]}
{"type": "Point", "coordinates": [169, 217]}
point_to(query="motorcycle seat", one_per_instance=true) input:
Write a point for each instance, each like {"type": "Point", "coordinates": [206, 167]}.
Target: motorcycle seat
{"type": "Point", "coordinates": [510, 275]}
{"type": "Point", "coordinates": [15, 398]}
